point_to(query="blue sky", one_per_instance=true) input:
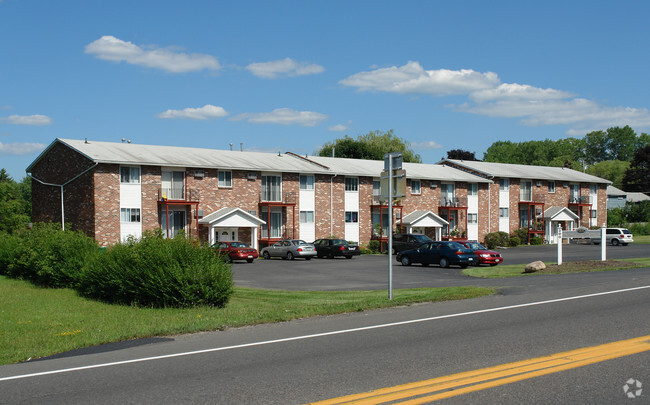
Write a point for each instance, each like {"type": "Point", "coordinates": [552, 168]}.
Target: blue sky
{"type": "Point", "coordinates": [292, 75]}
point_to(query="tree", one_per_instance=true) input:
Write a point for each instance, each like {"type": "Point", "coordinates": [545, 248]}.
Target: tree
{"type": "Point", "coordinates": [4, 176]}
{"type": "Point", "coordinates": [372, 146]}
{"type": "Point", "coordinates": [637, 176]}
{"type": "Point", "coordinates": [461, 155]}
{"type": "Point", "coordinates": [15, 211]}
{"type": "Point", "coordinates": [612, 170]}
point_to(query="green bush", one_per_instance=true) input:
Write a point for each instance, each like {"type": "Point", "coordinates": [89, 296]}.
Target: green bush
{"type": "Point", "coordinates": [636, 229]}
{"type": "Point", "coordinates": [536, 240]}
{"type": "Point", "coordinates": [371, 248]}
{"type": "Point", "coordinates": [50, 257]}
{"type": "Point", "coordinates": [496, 239]}
{"type": "Point", "coordinates": [521, 233]}
{"type": "Point", "coordinates": [514, 241]}
{"type": "Point", "coordinates": [8, 246]}
{"type": "Point", "coordinates": [158, 272]}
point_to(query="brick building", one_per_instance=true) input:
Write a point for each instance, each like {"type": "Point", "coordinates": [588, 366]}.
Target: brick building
{"type": "Point", "coordinates": [114, 190]}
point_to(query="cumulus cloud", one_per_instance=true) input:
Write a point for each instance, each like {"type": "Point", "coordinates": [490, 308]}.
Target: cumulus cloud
{"type": "Point", "coordinates": [283, 116]}
{"type": "Point", "coordinates": [426, 145]}
{"type": "Point", "coordinates": [413, 79]}
{"type": "Point", "coordinates": [207, 112]}
{"type": "Point", "coordinates": [36, 120]}
{"type": "Point", "coordinates": [18, 149]}
{"type": "Point", "coordinates": [283, 68]}
{"type": "Point", "coordinates": [514, 91]}
{"type": "Point", "coordinates": [110, 48]}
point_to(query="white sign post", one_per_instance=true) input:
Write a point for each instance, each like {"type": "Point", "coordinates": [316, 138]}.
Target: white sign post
{"type": "Point", "coordinates": [392, 163]}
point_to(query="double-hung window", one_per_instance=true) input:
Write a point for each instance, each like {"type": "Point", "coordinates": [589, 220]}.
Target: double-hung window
{"type": "Point", "coordinates": [306, 217]}
{"type": "Point", "coordinates": [504, 184]}
{"type": "Point", "coordinates": [129, 175]}
{"type": "Point", "coordinates": [472, 218]}
{"type": "Point", "coordinates": [306, 182]}
{"type": "Point", "coordinates": [271, 188]}
{"type": "Point", "coordinates": [225, 178]}
{"type": "Point", "coordinates": [351, 216]}
{"type": "Point", "coordinates": [351, 184]}
{"type": "Point", "coordinates": [129, 214]}
{"type": "Point", "coordinates": [551, 186]}
{"type": "Point", "coordinates": [416, 186]}
{"type": "Point", "coordinates": [472, 189]}
{"type": "Point", "coordinates": [504, 212]}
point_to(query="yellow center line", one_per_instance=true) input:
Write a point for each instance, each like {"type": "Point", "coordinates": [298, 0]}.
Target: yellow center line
{"type": "Point", "coordinates": [476, 380]}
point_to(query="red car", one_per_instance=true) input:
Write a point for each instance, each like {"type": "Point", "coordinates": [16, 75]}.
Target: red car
{"type": "Point", "coordinates": [485, 256]}
{"type": "Point", "coordinates": [236, 251]}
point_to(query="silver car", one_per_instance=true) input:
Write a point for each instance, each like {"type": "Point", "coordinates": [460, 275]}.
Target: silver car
{"type": "Point", "coordinates": [289, 249]}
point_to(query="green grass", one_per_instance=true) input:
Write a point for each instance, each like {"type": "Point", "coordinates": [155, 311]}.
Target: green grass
{"type": "Point", "coordinates": [37, 322]}
{"type": "Point", "coordinates": [644, 239]}
{"type": "Point", "coordinates": [517, 270]}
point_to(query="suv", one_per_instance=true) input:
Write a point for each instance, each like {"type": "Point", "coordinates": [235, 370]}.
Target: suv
{"type": "Point", "coordinates": [405, 241]}
{"type": "Point", "coordinates": [616, 236]}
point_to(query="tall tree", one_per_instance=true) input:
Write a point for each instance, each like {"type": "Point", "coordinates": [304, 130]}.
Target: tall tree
{"type": "Point", "coordinates": [15, 211]}
{"type": "Point", "coordinates": [461, 154]}
{"type": "Point", "coordinates": [637, 176]}
{"type": "Point", "coordinates": [612, 170]}
{"type": "Point", "coordinates": [372, 145]}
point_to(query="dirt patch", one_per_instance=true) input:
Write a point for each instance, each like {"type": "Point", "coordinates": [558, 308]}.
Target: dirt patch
{"type": "Point", "coordinates": [589, 265]}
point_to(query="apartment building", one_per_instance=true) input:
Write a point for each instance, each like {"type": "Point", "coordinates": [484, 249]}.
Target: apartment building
{"type": "Point", "coordinates": [113, 191]}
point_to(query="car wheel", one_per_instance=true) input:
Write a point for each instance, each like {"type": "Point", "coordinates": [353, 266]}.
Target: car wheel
{"type": "Point", "coordinates": [249, 260]}
{"type": "Point", "coordinates": [614, 242]}
{"type": "Point", "coordinates": [289, 255]}
{"type": "Point", "coordinates": [406, 261]}
{"type": "Point", "coordinates": [266, 255]}
{"type": "Point", "coordinates": [444, 263]}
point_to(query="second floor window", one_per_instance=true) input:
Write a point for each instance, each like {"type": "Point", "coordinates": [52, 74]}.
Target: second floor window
{"type": "Point", "coordinates": [351, 216]}
{"type": "Point", "coordinates": [526, 192]}
{"type": "Point", "coordinates": [129, 175]}
{"type": "Point", "coordinates": [415, 186]}
{"type": "Point", "coordinates": [225, 178]}
{"type": "Point", "coordinates": [504, 212]}
{"type": "Point", "coordinates": [306, 182]}
{"type": "Point", "coordinates": [472, 189]}
{"type": "Point", "coordinates": [472, 218]}
{"type": "Point", "coordinates": [504, 184]}
{"type": "Point", "coordinates": [306, 217]}
{"type": "Point", "coordinates": [173, 184]}
{"type": "Point", "coordinates": [551, 186]}
{"type": "Point", "coordinates": [351, 184]}
{"type": "Point", "coordinates": [271, 188]}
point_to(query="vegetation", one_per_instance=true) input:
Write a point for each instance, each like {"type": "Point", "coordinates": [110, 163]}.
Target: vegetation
{"type": "Point", "coordinates": [38, 322]}
{"type": "Point", "coordinates": [630, 213]}
{"type": "Point", "coordinates": [517, 270]}
{"type": "Point", "coordinates": [15, 203]}
{"type": "Point", "coordinates": [496, 239]}
{"type": "Point", "coordinates": [461, 154]}
{"type": "Point", "coordinates": [637, 177]}
{"type": "Point", "coordinates": [373, 146]}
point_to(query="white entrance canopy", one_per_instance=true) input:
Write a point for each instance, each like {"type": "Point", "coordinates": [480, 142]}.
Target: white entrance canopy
{"type": "Point", "coordinates": [553, 216]}
{"type": "Point", "coordinates": [424, 219]}
{"type": "Point", "coordinates": [232, 218]}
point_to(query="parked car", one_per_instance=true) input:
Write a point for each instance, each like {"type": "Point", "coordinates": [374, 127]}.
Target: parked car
{"type": "Point", "coordinates": [616, 236]}
{"type": "Point", "coordinates": [405, 241]}
{"type": "Point", "coordinates": [485, 256]}
{"type": "Point", "coordinates": [330, 247]}
{"type": "Point", "coordinates": [236, 251]}
{"type": "Point", "coordinates": [289, 249]}
{"type": "Point", "coordinates": [444, 253]}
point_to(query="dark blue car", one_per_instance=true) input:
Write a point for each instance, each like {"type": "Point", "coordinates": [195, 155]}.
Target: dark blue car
{"type": "Point", "coordinates": [444, 253]}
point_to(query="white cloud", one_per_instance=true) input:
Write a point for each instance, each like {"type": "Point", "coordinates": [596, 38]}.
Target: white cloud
{"type": "Point", "coordinates": [283, 67]}
{"type": "Point", "coordinates": [426, 145]}
{"type": "Point", "coordinates": [283, 116]}
{"type": "Point", "coordinates": [514, 91]}
{"type": "Point", "coordinates": [18, 149]}
{"type": "Point", "coordinates": [36, 120]}
{"type": "Point", "coordinates": [413, 79]}
{"type": "Point", "coordinates": [339, 127]}
{"type": "Point", "coordinates": [206, 112]}
{"type": "Point", "coordinates": [110, 48]}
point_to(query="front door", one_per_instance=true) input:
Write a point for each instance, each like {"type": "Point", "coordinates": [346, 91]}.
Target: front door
{"type": "Point", "coordinates": [226, 234]}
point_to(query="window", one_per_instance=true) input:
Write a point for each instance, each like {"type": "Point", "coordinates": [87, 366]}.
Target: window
{"type": "Point", "coordinates": [472, 218]}
{"type": "Point", "coordinates": [415, 186]}
{"type": "Point", "coordinates": [504, 212]}
{"type": "Point", "coordinates": [225, 178]}
{"type": "Point", "coordinates": [472, 189]}
{"type": "Point", "coordinates": [351, 216]}
{"type": "Point", "coordinates": [306, 217]}
{"type": "Point", "coordinates": [594, 214]}
{"type": "Point", "coordinates": [504, 184]}
{"type": "Point", "coordinates": [526, 191]}
{"type": "Point", "coordinates": [129, 175]}
{"type": "Point", "coordinates": [306, 182]}
{"type": "Point", "coordinates": [551, 186]}
{"type": "Point", "coordinates": [351, 184]}
{"type": "Point", "coordinates": [271, 188]}
{"type": "Point", "coordinates": [376, 187]}
{"type": "Point", "coordinates": [129, 214]}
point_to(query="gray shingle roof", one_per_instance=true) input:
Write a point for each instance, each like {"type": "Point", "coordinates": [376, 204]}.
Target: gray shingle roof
{"type": "Point", "coordinates": [507, 170]}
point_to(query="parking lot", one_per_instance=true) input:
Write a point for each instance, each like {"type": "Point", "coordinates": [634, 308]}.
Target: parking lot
{"type": "Point", "coordinates": [370, 272]}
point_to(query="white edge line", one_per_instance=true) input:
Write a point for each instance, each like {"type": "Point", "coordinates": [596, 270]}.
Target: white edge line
{"type": "Point", "coordinates": [304, 337]}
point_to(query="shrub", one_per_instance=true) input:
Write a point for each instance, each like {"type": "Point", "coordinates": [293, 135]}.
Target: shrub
{"type": "Point", "coordinates": [636, 229]}
{"type": "Point", "coordinates": [536, 240]}
{"type": "Point", "coordinates": [514, 241]}
{"type": "Point", "coordinates": [158, 272]}
{"type": "Point", "coordinates": [371, 248]}
{"type": "Point", "coordinates": [50, 257]}
{"type": "Point", "coordinates": [8, 245]}
{"type": "Point", "coordinates": [496, 239]}
{"type": "Point", "coordinates": [521, 233]}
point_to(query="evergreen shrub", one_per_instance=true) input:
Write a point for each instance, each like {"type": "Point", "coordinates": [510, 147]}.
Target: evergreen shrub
{"type": "Point", "coordinates": [536, 240]}
{"type": "Point", "coordinates": [158, 272]}
{"type": "Point", "coordinates": [496, 239]}
{"type": "Point", "coordinates": [8, 245]}
{"type": "Point", "coordinates": [514, 241]}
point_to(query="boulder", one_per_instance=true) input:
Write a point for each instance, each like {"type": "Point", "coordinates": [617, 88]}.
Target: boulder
{"type": "Point", "coordinates": [534, 266]}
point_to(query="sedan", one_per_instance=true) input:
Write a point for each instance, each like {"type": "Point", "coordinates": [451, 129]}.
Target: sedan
{"type": "Point", "coordinates": [330, 247]}
{"type": "Point", "coordinates": [236, 251]}
{"type": "Point", "coordinates": [443, 253]}
{"type": "Point", "coordinates": [289, 249]}
{"type": "Point", "coordinates": [485, 256]}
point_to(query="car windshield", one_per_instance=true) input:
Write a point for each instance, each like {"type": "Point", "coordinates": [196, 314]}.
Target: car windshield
{"type": "Point", "coordinates": [422, 238]}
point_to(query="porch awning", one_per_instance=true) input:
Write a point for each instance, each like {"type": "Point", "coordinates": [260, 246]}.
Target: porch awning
{"type": "Point", "coordinates": [558, 214]}
{"type": "Point", "coordinates": [231, 218]}
{"type": "Point", "coordinates": [424, 219]}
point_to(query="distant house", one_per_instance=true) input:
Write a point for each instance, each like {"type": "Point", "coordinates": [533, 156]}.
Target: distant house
{"type": "Point", "coordinates": [617, 198]}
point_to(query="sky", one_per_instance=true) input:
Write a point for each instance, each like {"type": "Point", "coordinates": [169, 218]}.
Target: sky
{"type": "Point", "coordinates": [281, 76]}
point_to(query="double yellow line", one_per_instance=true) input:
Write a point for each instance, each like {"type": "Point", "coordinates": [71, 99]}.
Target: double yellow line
{"type": "Point", "coordinates": [457, 384]}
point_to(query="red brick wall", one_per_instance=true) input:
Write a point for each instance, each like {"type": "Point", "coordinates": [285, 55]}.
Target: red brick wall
{"type": "Point", "coordinates": [107, 204]}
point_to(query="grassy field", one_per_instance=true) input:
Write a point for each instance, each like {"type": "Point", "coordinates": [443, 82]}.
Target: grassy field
{"type": "Point", "coordinates": [37, 322]}
{"type": "Point", "coordinates": [645, 239]}
{"type": "Point", "coordinates": [517, 270]}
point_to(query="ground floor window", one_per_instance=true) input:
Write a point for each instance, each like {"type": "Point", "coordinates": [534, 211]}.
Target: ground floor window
{"type": "Point", "coordinates": [351, 216]}
{"type": "Point", "coordinates": [472, 218]}
{"type": "Point", "coordinates": [129, 214]}
{"type": "Point", "coordinates": [504, 212]}
{"type": "Point", "coordinates": [306, 217]}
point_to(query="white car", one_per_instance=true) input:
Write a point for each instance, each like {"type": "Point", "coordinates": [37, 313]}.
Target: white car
{"type": "Point", "coordinates": [289, 249]}
{"type": "Point", "coordinates": [616, 236]}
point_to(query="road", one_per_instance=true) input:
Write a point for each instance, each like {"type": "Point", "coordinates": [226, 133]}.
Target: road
{"type": "Point", "coordinates": [327, 357]}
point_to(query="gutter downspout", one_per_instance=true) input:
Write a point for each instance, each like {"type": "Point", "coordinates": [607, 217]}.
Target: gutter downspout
{"type": "Point", "coordinates": [61, 186]}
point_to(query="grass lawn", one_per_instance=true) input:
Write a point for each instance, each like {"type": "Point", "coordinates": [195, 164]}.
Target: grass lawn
{"type": "Point", "coordinates": [517, 270]}
{"type": "Point", "coordinates": [37, 322]}
{"type": "Point", "coordinates": [645, 239]}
